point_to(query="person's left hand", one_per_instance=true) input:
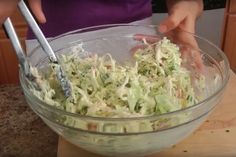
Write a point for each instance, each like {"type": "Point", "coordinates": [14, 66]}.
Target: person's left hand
{"type": "Point", "coordinates": [182, 16]}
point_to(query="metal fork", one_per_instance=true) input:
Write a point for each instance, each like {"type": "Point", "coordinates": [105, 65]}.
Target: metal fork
{"type": "Point", "coordinates": [64, 82]}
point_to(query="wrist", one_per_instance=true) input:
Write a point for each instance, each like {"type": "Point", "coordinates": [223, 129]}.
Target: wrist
{"type": "Point", "coordinates": [195, 7]}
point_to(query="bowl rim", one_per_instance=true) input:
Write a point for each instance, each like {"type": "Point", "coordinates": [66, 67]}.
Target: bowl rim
{"type": "Point", "coordinates": [63, 112]}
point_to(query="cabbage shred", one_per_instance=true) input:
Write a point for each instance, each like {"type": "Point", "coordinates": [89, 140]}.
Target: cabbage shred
{"type": "Point", "coordinates": [155, 84]}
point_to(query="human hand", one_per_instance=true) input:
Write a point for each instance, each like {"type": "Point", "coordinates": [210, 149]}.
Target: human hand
{"type": "Point", "coordinates": [7, 7]}
{"type": "Point", "coordinates": [182, 17]}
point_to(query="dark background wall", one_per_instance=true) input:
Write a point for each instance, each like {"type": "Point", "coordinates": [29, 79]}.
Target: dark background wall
{"type": "Point", "coordinates": [159, 6]}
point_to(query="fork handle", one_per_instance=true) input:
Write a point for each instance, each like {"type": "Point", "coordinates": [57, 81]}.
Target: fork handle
{"type": "Point", "coordinates": [37, 31]}
{"type": "Point", "coordinates": [17, 46]}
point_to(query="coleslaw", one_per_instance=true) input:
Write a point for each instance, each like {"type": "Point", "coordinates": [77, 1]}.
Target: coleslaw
{"type": "Point", "coordinates": [157, 83]}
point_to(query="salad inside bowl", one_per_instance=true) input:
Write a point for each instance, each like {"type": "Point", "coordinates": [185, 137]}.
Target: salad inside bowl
{"type": "Point", "coordinates": [126, 89]}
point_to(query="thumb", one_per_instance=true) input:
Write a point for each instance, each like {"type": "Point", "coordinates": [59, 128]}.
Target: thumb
{"type": "Point", "coordinates": [36, 8]}
{"type": "Point", "coordinates": [171, 22]}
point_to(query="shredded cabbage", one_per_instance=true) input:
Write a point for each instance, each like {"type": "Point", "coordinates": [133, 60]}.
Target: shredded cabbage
{"type": "Point", "coordinates": [155, 84]}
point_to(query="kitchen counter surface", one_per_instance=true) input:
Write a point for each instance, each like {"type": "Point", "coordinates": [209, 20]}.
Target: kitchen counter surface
{"type": "Point", "coordinates": [22, 132]}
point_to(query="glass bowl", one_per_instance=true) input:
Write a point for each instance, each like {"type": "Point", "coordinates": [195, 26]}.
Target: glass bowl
{"type": "Point", "coordinates": [135, 136]}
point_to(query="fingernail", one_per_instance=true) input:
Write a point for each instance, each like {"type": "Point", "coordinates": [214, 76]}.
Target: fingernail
{"type": "Point", "coordinates": [162, 28]}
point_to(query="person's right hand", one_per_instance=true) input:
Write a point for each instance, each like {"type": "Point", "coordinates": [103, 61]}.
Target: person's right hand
{"type": "Point", "coordinates": [7, 7]}
{"type": "Point", "coordinates": [182, 16]}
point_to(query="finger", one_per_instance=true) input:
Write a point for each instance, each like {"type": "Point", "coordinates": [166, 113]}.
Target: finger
{"type": "Point", "coordinates": [36, 8]}
{"type": "Point", "coordinates": [171, 22]}
{"type": "Point", "coordinates": [190, 27]}
{"type": "Point", "coordinates": [149, 38]}
{"type": "Point", "coordinates": [190, 49]}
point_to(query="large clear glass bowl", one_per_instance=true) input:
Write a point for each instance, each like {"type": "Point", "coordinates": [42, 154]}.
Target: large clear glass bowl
{"type": "Point", "coordinates": [128, 136]}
